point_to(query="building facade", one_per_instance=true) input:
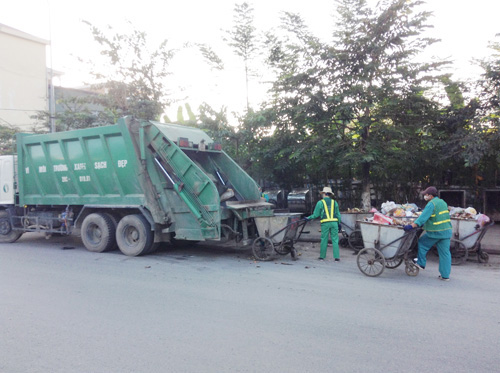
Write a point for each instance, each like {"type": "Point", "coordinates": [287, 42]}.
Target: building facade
{"type": "Point", "coordinates": [23, 78]}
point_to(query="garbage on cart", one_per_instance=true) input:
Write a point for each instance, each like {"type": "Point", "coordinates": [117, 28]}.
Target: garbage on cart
{"type": "Point", "coordinates": [469, 213]}
{"type": "Point", "coordinates": [392, 213]}
{"type": "Point", "coordinates": [461, 213]}
{"type": "Point", "coordinates": [356, 210]}
{"type": "Point", "coordinates": [390, 208]}
{"type": "Point", "coordinates": [382, 219]}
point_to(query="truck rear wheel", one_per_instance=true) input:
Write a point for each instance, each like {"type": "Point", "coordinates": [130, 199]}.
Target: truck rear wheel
{"type": "Point", "coordinates": [7, 235]}
{"type": "Point", "coordinates": [114, 225]}
{"type": "Point", "coordinates": [134, 235]}
{"type": "Point", "coordinates": [98, 233]}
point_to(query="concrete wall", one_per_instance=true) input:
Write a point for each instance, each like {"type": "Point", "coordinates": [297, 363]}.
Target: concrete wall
{"type": "Point", "coordinates": [23, 78]}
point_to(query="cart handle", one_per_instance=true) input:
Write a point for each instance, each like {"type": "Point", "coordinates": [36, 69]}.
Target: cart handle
{"type": "Point", "coordinates": [406, 234]}
{"type": "Point", "coordinates": [301, 222]}
{"type": "Point", "coordinates": [345, 225]}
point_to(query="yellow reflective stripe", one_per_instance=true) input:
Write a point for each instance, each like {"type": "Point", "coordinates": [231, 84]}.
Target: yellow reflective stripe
{"type": "Point", "coordinates": [441, 222]}
{"type": "Point", "coordinates": [325, 208]}
{"type": "Point", "coordinates": [439, 213]}
{"type": "Point", "coordinates": [329, 216]}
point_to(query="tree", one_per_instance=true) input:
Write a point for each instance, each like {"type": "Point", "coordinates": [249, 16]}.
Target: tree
{"type": "Point", "coordinates": [356, 105]}
{"type": "Point", "coordinates": [374, 54]}
{"type": "Point", "coordinates": [478, 136]}
{"type": "Point", "coordinates": [136, 83]}
{"type": "Point", "coordinates": [243, 39]}
{"type": "Point", "coordinates": [7, 140]}
{"type": "Point", "coordinates": [132, 80]}
{"type": "Point", "coordinates": [466, 135]}
{"type": "Point", "coordinates": [296, 110]}
{"type": "Point", "coordinates": [191, 121]}
{"type": "Point", "coordinates": [215, 123]}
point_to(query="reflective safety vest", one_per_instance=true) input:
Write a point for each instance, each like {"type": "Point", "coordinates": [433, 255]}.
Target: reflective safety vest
{"type": "Point", "coordinates": [329, 216]}
{"type": "Point", "coordinates": [440, 219]}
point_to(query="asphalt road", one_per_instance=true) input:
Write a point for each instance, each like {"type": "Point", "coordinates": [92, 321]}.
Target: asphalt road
{"type": "Point", "coordinates": [205, 309]}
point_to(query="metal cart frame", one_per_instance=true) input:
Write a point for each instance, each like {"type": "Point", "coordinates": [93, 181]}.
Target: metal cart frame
{"type": "Point", "coordinates": [281, 241]}
{"type": "Point", "coordinates": [351, 233]}
{"type": "Point", "coordinates": [391, 246]}
{"type": "Point", "coordinates": [468, 235]}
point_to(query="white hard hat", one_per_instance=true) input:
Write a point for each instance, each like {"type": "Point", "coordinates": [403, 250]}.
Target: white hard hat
{"type": "Point", "coordinates": [327, 190]}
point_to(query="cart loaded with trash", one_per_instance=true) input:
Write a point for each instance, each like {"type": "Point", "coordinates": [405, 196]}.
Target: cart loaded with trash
{"type": "Point", "coordinates": [466, 239]}
{"type": "Point", "coordinates": [277, 235]}
{"type": "Point", "coordinates": [387, 246]}
{"type": "Point", "coordinates": [351, 233]}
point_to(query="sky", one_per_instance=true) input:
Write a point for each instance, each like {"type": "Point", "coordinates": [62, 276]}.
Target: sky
{"type": "Point", "coordinates": [464, 27]}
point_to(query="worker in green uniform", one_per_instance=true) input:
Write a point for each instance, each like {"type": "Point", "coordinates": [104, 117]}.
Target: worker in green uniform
{"type": "Point", "coordinates": [327, 209]}
{"type": "Point", "coordinates": [435, 219]}
{"type": "Point", "coordinates": [264, 196]}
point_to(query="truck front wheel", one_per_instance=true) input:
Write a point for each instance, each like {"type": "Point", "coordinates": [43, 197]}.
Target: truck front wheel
{"type": "Point", "coordinates": [134, 235]}
{"type": "Point", "coordinates": [98, 233]}
{"type": "Point", "coordinates": [7, 235]}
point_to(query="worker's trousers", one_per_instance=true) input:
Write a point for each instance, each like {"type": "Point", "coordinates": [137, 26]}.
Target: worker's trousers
{"type": "Point", "coordinates": [443, 246]}
{"type": "Point", "coordinates": [329, 229]}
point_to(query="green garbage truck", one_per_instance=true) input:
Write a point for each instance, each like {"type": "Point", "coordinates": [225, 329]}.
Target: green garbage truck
{"type": "Point", "coordinates": [129, 186]}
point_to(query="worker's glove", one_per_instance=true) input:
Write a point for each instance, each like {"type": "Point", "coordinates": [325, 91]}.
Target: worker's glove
{"type": "Point", "coordinates": [408, 227]}
{"type": "Point", "coordinates": [306, 219]}
{"type": "Point", "coordinates": [340, 229]}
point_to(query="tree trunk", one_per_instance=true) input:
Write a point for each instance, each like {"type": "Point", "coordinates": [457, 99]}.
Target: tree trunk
{"type": "Point", "coordinates": [366, 202]}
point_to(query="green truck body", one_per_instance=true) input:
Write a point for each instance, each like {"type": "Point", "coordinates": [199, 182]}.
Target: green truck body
{"type": "Point", "coordinates": [132, 185]}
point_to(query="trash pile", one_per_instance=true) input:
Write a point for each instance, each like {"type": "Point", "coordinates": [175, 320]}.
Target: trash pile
{"type": "Point", "coordinates": [469, 213]}
{"type": "Point", "coordinates": [460, 213]}
{"type": "Point", "coordinates": [356, 210]}
{"type": "Point", "coordinates": [392, 213]}
{"type": "Point", "coordinates": [409, 210]}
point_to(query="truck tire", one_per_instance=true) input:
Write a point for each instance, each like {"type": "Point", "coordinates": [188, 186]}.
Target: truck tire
{"type": "Point", "coordinates": [134, 235]}
{"type": "Point", "coordinates": [114, 222]}
{"type": "Point", "coordinates": [7, 235]}
{"type": "Point", "coordinates": [98, 233]}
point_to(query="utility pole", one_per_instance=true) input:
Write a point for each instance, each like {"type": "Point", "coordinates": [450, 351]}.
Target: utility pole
{"type": "Point", "coordinates": [52, 98]}
{"type": "Point", "coordinates": [52, 101]}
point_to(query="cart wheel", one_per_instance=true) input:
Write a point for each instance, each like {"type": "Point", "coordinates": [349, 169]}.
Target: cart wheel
{"type": "Point", "coordinates": [356, 240]}
{"type": "Point", "coordinates": [371, 262]}
{"type": "Point", "coordinates": [263, 249]}
{"type": "Point", "coordinates": [459, 253]}
{"type": "Point", "coordinates": [393, 263]}
{"type": "Point", "coordinates": [410, 268]}
{"type": "Point", "coordinates": [344, 242]}
{"type": "Point", "coordinates": [284, 248]}
{"type": "Point", "coordinates": [293, 253]}
{"type": "Point", "coordinates": [482, 256]}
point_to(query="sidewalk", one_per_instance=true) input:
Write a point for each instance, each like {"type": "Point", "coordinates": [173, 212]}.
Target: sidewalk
{"type": "Point", "coordinates": [490, 242]}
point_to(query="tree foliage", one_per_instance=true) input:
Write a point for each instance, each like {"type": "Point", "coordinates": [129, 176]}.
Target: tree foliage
{"type": "Point", "coordinates": [243, 39]}
{"type": "Point", "coordinates": [382, 93]}
{"type": "Point", "coordinates": [136, 82]}
{"type": "Point", "coordinates": [7, 139]}
{"type": "Point", "coordinates": [355, 105]}
{"type": "Point", "coordinates": [355, 110]}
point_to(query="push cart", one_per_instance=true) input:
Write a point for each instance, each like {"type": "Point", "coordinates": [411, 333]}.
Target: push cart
{"type": "Point", "coordinates": [466, 240]}
{"type": "Point", "coordinates": [387, 246]}
{"type": "Point", "coordinates": [277, 234]}
{"type": "Point", "coordinates": [351, 234]}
